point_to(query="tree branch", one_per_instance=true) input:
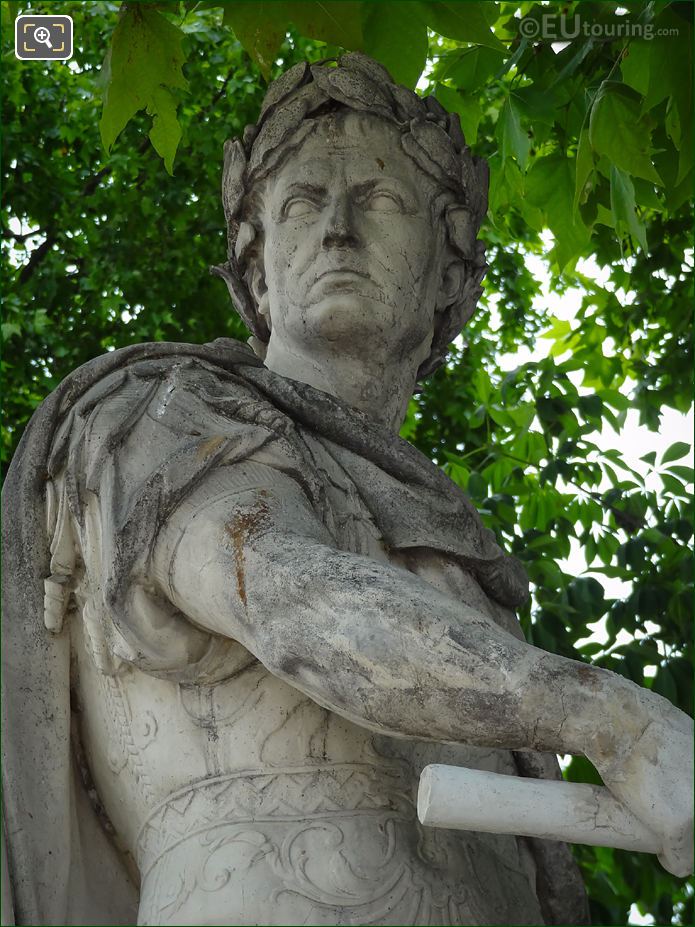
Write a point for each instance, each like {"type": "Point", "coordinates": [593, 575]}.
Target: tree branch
{"type": "Point", "coordinates": [37, 257]}
{"type": "Point", "coordinates": [218, 95]}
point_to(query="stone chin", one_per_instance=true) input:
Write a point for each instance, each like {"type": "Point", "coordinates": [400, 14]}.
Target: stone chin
{"type": "Point", "coordinates": [357, 321]}
{"type": "Point", "coordinates": [348, 301]}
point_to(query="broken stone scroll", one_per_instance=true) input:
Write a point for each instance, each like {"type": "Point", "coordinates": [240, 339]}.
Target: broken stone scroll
{"type": "Point", "coordinates": [459, 798]}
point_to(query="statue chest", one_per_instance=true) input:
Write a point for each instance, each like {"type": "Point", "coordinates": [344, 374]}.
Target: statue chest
{"type": "Point", "coordinates": [148, 741]}
{"type": "Point", "coordinates": [244, 800]}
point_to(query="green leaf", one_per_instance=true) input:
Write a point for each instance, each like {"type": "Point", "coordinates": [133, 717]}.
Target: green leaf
{"type": "Point", "coordinates": [645, 195]}
{"type": "Point", "coordinates": [514, 59]}
{"type": "Point", "coordinates": [591, 406]}
{"type": "Point", "coordinates": [467, 107]}
{"type": "Point", "coordinates": [678, 195]}
{"type": "Point", "coordinates": [670, 74]}
{"type": "Point", "coordinates": [585, 168]}
{"type": "Point", "coordinates": [397, 37]}
{"type": "Point", "coordinates": [477, 487]}
{"type": "Point", "coordinates": [470, 68]}
{"type": "Point", "coordinates": [260, 27]}
{"type": "Point", "coordinates": [513, 139]}
{"type": "Point", "coordinates": [540, 107]}
{"type": "Point", "coordinates": [458, 474]}
{"type": "Point", "coordinates": [664, 684]}
{"type": "Point", "coordinates": [165, 133]}
{"type": "Point", "coordinates": [617, 131]}
{"type": "Point", "coordinates": [673, 486]}
{"type": "Point", "coordinates": [476, 419]}
{"type": "Point", "coordinates": [465, 22]}
{"type": "Point", "coordinates": [575, 60]}
{"type": "Point", "coordinates": [635, 65]}
{"type": "Point", "coordinates": [9, 329]}
{"type": "Point", "coordinates": [623, 206]}
{"type": "Point", "coordinates": [558, 329]}
{"type": "Point", "coordinates": [523, 415]}
{"type": "Point", "coordinates": [501, 416]}
{"type": "Point", "coordinates": [534, 448]}
{"type": "Point", "coordinates": [675, 452]}
{"type": "Point", "coordinates": [550, 186]}
{"type": "Point", "coordinates": [529, 515]}
{"type": "Point", "coordinates": [143, 63]}
{"type": "Point", "coordinates": [333, 23]}
{"type": "Point", "coordinates": [483, 385]}
{"type": "Point", "coordinates": [615, 399]}
{"type": "Point", "coordinates": [685, 473]}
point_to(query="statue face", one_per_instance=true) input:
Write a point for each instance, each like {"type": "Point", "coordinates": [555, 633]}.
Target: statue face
{"type": "Point", "coordinates": [350, 251]}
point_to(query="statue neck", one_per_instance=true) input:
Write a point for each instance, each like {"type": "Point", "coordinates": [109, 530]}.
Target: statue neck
{"type": "Point", "coordinates": [380, 386]}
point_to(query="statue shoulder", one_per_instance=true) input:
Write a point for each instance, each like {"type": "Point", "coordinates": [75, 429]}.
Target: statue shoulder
{"type": "Point", "coordinates": [118, 386]}
{"type": "Point", "coordinates": [153, 359]}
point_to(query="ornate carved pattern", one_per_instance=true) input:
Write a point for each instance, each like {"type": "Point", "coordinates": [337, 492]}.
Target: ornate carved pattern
{"type": "Point", "coordinates": [367, 896]}
{"type": "Point", "coordinates": [130, 740]}
{"type": "Point", "coordinates": [309, 868]}
{"type": "Point", "coordinates": [304, 793]}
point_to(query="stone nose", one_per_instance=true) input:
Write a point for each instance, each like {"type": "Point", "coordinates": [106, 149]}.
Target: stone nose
{"type": "Point", "coordinates": [339, 226]}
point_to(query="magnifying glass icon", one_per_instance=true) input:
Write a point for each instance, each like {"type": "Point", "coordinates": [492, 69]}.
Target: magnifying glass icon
{"type": "Point", "coordinates": [41, 34]}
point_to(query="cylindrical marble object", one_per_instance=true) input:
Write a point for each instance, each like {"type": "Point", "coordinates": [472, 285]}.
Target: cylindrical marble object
{"type": "Point", "coordinates": [470, 799]}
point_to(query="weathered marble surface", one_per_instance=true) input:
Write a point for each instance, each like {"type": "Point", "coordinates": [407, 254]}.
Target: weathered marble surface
{"type": "Point", "coordinates": [472, 799]}
{"type": "Point", "coordinates": [264, 613]}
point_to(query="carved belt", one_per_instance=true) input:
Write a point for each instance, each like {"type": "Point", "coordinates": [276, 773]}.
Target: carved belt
{"type": "Point", "coordinates": [278, 795]}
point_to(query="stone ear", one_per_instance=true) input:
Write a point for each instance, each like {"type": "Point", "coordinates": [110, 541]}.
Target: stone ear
{"type": "Point", "coordinates": [462, 228]}
{"type": "Point", "coordinates": [249, 252]}
{"type": "Point", "coordinates": [259, 290]}
{"type": "Point", "coordinates": [452, 281]}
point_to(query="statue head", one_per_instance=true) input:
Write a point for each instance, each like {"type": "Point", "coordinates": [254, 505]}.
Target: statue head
{"type": "Point", "coordinates": [351, 187]}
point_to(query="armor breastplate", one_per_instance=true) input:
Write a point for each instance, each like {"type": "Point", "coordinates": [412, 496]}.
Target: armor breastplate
{"type": "Point", "coordinates": [245, 801]}
{"type": "Point", "coordinates": [241, 800]}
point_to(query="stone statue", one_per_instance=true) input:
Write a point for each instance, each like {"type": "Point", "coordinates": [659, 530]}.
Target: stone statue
{"type": "Point", "coordinates": [242, 614]}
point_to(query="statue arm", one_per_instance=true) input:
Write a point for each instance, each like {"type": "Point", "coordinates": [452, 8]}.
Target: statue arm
{"type": "Point", "coordinates": [387, 650]}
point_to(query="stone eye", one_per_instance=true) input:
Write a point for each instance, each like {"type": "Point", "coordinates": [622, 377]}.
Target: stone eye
{"type": "Point", "coordinates": [296, 208]}
{"type": "Point", "coordinates": [380, 201]}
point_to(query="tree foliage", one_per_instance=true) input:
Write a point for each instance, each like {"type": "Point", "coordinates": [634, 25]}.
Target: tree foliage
{"type": "Point", "coordinates": [590, 147]}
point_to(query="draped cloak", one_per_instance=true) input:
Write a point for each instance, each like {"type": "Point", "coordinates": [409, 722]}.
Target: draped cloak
{"type": "Point", "coordinates": [62, 867]}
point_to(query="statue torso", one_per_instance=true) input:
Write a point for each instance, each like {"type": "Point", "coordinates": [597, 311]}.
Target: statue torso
{"type": "Point", "coordinates": [246, 802]}
{"type": "Point", "coordinates": [240, 800]}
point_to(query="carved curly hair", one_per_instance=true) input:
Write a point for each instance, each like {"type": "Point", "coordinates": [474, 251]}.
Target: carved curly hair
{"type": "Point", "coordinates": [429, 135]}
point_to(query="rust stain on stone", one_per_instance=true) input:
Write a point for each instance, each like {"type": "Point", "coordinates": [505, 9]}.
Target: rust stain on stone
{"type": "Point", "coordinates": [209, 446]}
{"type": "Point", "coordinates": [240, 529]}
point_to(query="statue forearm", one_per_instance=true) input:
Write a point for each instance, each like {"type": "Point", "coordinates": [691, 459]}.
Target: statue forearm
{"type": "Point", "coordinates": [380, 645]}
{"type": "Point", "coordinates": [384, 648]}
{"type": "Point", "coordinates": [387, 650]}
